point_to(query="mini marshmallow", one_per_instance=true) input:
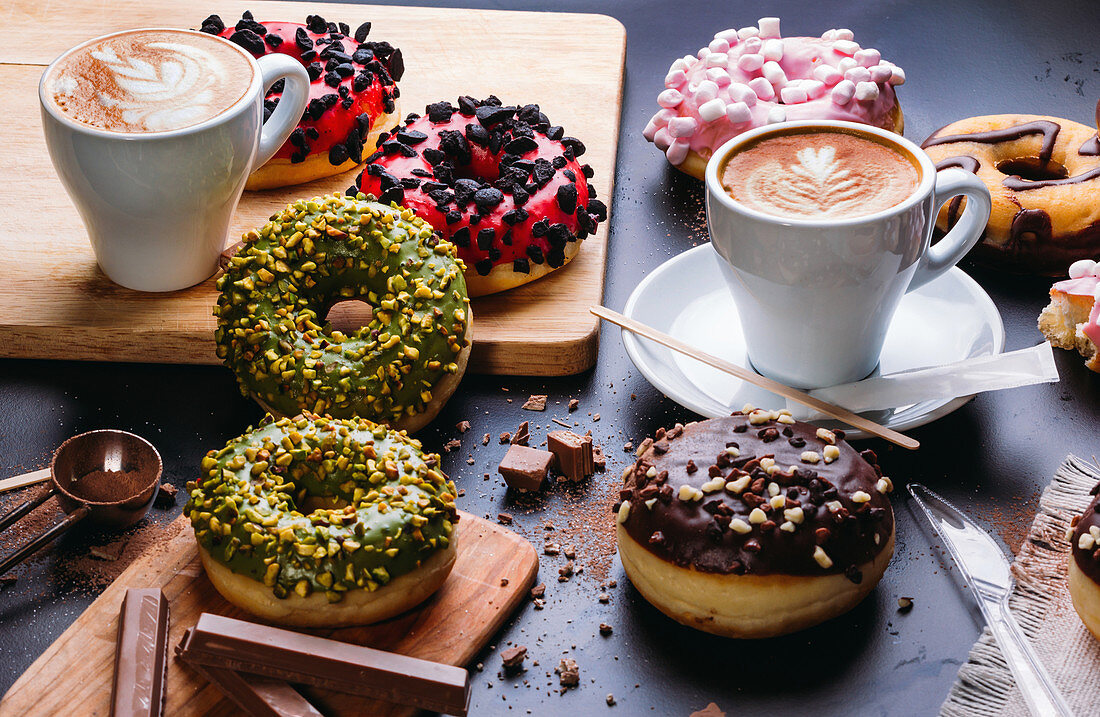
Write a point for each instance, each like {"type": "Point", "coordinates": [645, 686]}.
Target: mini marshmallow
{"type": "Point", "coordinates": [670, 98]}
{"type": "Point", "coordinates": [744, 93]}
{"type": "Point", "coordinates": [858, 74]}
{"type": "Point", "coordinates": [792, 95]}
{"type": "Point", "coordinates": [717, 45]}
{"type": "Point", "coordinates": [718, 59]}
{"type": "Point", "coordinates": [1096, 294]}
{"type": "Point", "coordinates": [843, 93]}
{"type": "Point", "coordinates": [730, 36]}
{"type": "Point", "coordinates": [752, 45]}
{"type": "Point", "coordinates": [828, 74]}
{"type": "Point", "coordinates": [712, 110]}
{"type": "Point", "coordinates": [650, 131]}
{"type": "Point", "coordinates": [719, 76]}
{"type": "Point", "coordinates": [769, 27]}
{"type": "Point", "coordinates": [868, 57]}
{"type": "Point", "coordinates": [814, 89]}
{"type": "Point", "coordinates": [738, 112]}
{"type": "Point", "coordinates": [663, 117]}
{"type": "Point", "coordinates": [662, 139]}
{"type": "Point", "coordinates": [762, 88]}
{"type": "Point", "coordinates": [682, 127]}
{"type": "Point", "coordinates": [706, 91]}
{"type": "Point", "coordinates": [829, 35]}
{"type": "Point", "coordinates": [676, 78]}
{"type": "Point", "coordinates": [772, 50]}
{"type": "Point", "coordinates": [679, 64]}
{"type": "Point", "coordinates": [866, 91]}
{"type": "Point", "coordinates": [677, 153]}
{"type": "Point", "coordinates": [898, 76]}
{"type": "Point", "coordinates": [777, 114]}
{"type": "Point", "coordinates": [846, 47]}
{"type": "Point", "coordinates": [845, 64]}
{"type": "Point", "coordinates": [702, 54]}
{"type": "Point", "coordinates": [774, 74]}
{"type": "Point", "coordinates": [844, 34]}
{"type": "Point", "coordinates": [747, 32]}
{"type": "Point", "coordinates": [1081, 268]}
{"type": "Point", "coordinates": [750, 63]}
{"type": "Point", "coordinates": [881, 74]}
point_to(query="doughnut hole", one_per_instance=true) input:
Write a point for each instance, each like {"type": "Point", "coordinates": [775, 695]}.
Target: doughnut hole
{"type": "Point", "coordinates": [1032, 168]}
{"type": "Point", "coordinates": [348, 316]}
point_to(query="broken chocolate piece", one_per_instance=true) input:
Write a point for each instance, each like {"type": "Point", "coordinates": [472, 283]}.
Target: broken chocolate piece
{"type": "Point", "coordinates": [525, 468]}
{"type": "Point", "coordinates": [141, 654]}
{"type": "Point", "coordinates": [572, 454]}
{"type": "Point", "coordinates": [536, 402]}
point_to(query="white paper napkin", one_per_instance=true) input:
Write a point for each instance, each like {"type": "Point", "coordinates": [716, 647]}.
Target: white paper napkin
{"type": "Point", "coordinates": [963, 378]}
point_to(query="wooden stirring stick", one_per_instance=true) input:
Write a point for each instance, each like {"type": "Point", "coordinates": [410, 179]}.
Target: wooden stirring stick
{"type": "Point", "coordinates": [40, 476]}
{"type": "Point", "coordinates": [840, 414]}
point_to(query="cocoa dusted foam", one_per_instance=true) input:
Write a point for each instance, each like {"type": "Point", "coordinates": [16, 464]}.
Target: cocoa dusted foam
{"type": "Point", "coordinates": [149, 81]}
{"type": "Point", "coordinates": [819, 174]}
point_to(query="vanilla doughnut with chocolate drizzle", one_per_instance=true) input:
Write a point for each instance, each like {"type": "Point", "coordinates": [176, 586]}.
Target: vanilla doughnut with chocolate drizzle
{"type": "Point", "coordinates": [1042, 175]}
{"type": "Point", "coordinates": [748, 78]}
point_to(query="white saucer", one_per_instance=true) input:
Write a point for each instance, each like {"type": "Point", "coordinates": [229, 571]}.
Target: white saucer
{"type": "Point", "coordinates": [948, 319]}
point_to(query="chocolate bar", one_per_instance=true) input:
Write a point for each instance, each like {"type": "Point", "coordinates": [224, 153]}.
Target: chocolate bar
{"type": "Point", "coordinates": [141, 654]}
{"type": "Point", "coordinates": [223, 642]}
{"type": "Point", "coordinates": [258, 696]}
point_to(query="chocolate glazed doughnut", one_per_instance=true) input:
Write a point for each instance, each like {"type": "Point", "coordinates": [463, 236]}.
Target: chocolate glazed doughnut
{"type": "Point", "coordinates": [1084, 565]}
{"type": "Point", "coordinates": [1041, 173]}
{"type": "Point", "coordinates": [754, 525]}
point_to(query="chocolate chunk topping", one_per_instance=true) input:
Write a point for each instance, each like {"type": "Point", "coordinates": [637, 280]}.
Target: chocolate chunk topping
{"type": "Point", "coordinates": [249, 40]}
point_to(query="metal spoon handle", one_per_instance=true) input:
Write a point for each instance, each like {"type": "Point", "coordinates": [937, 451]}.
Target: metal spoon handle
{"type": "Point", "coordinates": [30, 548]}
{"type": "Point", "coordinates": [25, 507]}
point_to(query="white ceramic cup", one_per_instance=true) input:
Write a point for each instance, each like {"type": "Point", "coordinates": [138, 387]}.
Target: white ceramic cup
{"type": "Point", "coordinates": [816, 296]}
{"type": "Point", "coordinates": [157, 205]}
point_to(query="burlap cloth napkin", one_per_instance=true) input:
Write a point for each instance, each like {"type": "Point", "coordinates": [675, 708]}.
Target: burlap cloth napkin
{"type": "Point", "coordinates": [1041, 603]}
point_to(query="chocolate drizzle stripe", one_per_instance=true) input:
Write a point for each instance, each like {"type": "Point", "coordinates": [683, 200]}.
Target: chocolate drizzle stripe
{"type": "Point", "coordinates": [1048, 129]}
{"type": "Point", "coordinates": [1091, 147]}
{"type": "Point", "coordinates": [962, 161]}
{"type": "Point", "coordinates": [1019, 184]}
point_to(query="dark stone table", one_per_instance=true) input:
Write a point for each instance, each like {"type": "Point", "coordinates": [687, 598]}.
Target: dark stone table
{"type": "Point", "coordinates": [992, 456]}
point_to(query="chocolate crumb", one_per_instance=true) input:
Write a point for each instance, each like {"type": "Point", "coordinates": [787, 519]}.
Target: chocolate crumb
{"type": "Point", "coordinates": [485, 439]}
{"type": "Point", "coordinates": [605, 629]}
{"type": "Point", "coordinates": [166, 496]}
{"type": "Point", "coordinates": [462, 426]}
{"type": "Point", "coordinates": [111, 551]}
{"type": "Point", "coordinates": [610, 700]}
{"type": "Point", "coordinates": [604, 598]}
{"type": "Point", "coordinates": [551, 549]}
{"type": "Point", "coordinates": [512, 657]}
{"type": "Point", "coordinates": [905, 604]}
{"type": "Point", "coordinates": [535, 402]}
{"type": "Point", "coordinates": [504, 582]}
{"type": "Point", "coordinates": [538, 591]}
{"type": "Point", "coordinates": [452, 445]}
{"type": "Point", "coordinates": [569, 674]}
{"type": "Point", "coordinates": [574, 404]}
{"type": "Point", "coordinates": [522, 436]}
{"type": "Point", "coordinates": [505, 438]}
{"type": "Point", "coordinates": [504, 518]}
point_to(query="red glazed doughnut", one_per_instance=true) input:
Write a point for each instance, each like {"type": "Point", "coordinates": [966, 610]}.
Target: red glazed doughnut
{"type": "Point", "coordinates": [352, 99]}
{"type": "Point", "coordinates": [499, 182]}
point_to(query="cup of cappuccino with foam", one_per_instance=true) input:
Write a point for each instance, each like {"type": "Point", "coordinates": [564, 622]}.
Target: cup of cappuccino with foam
{"type": "Point", "coordinates": [153, 133]}
{"type": "Point", "coordinates": [822, 227]}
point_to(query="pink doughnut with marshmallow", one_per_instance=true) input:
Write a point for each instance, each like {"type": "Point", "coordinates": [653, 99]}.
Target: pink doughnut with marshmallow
{"type": "Point", "coordinates": [751, 77]}
{"type": "Point", "coordinates": [1072, 318]}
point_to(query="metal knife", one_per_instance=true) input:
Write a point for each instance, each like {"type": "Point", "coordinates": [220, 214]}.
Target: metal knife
{"type": "Point", "coordinates": [986, 571]}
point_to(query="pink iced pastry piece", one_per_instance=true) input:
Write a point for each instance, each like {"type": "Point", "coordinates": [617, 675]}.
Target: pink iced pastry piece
{"type": "Point", "coordinates": [1084, 278]}
{"type": "Point", "coordinates": [761, 78]}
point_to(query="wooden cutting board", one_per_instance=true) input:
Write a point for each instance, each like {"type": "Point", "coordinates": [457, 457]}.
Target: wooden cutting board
{"type": "Point", "coordinates": [492, 574]}
{"type": "Point", "coordinates": [57, 304]}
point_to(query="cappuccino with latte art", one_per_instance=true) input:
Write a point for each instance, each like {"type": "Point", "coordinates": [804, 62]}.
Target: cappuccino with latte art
{"type": "Point", "coordinates": [819, 174]}
{"type": "Point", "coordinates": [149, 81]}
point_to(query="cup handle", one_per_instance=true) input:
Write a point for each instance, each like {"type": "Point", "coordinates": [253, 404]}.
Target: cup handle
{"type": "Point", "coordinates": [292, 104]}
{"type": "Point", "coordinates": [949, 250]}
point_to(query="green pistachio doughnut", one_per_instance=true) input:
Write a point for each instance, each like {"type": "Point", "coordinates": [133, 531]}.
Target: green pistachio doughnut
{"type": "Point", "coordinates": [322, 521]}
{"type": "Point", "coordinates": [400, 368]}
